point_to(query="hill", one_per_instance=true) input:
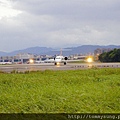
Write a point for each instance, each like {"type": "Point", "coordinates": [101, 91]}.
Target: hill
{"type": "Point", "coordinates": [2, 53]}
{"type": "Point", "coordinates": [112, 56]}
{"type": "Point", "coordinates": [66, 51]}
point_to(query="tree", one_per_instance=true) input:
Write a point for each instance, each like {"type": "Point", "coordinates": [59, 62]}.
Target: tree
{"type": "Point", "coordinates": [112, 56]}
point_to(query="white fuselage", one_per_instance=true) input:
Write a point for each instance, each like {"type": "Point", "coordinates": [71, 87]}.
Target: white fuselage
{"type": "Point", "coordinates": [59, 59]}
{"type": "Point", "coordinates": [5, 63]}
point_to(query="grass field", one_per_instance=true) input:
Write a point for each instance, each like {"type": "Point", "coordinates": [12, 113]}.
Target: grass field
{"type": "Point", "coordinates": [72, 91]}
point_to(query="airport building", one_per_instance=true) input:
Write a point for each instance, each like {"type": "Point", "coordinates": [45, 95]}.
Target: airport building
{"type": "Point", "coordinates": [22, 58]}
{"type": "Point", "coordinates": [99, 51]}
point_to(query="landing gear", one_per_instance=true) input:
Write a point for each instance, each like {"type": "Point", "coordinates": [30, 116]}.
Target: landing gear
{"type": "Point", "coordinates": [59, 63]}
{"type": "Point", "coordinates": [65, 63]}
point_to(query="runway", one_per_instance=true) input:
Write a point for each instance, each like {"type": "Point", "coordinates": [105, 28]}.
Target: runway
{"type": "Point", "coordinates": [51, 66]}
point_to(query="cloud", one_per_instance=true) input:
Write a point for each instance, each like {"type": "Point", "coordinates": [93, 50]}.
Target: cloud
{"type": "Point", "coordinates": [6, 9]}
{"type": "Point", "coordinates": [59, 23]}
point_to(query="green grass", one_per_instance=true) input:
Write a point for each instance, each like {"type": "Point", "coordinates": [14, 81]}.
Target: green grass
{"type": "Point", "coordinates": [72, 91]}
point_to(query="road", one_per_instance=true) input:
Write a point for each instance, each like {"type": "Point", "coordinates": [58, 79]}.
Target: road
{"type": "Point", "coordinates": [51, 66]}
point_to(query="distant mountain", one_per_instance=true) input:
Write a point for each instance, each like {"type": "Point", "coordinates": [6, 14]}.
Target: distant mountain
{"type": "Point", "coordinates": [66, 51]}
{"type": "Point", "coordinates": [84, 49]}
{"type": "Point", "coordinates": [3, 53]}
{"type": "Point", "coordinates": [89, 48]}
{"type": "Point", "coordinates": [32, 50]}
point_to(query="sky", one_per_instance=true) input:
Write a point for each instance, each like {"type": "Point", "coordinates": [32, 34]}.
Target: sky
{"type": "Point", "coordinates": [58, 23]}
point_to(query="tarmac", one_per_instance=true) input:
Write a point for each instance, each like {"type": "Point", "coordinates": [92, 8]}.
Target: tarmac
{"type": "Point", "coordinates": [51, 66]}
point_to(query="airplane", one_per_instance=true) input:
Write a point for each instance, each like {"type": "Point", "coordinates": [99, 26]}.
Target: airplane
{"type": "Point", "coordinates": [60, 59]}
{"type": "Point", "coordinates": [5, 63]}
